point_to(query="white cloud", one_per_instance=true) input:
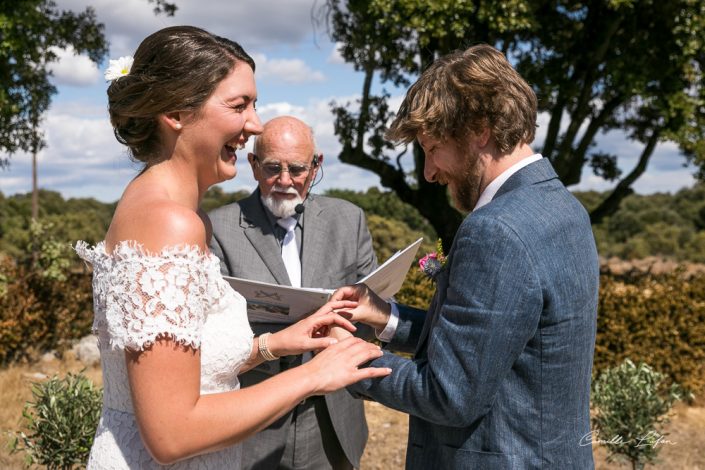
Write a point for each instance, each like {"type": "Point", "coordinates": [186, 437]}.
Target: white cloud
{"type": "Point", "coordinates": [252, 23]}
{"type": "Point", "coordinates": [73, 69]}
{"type": "Point", "coordinates": [335, 57]}
{"type": "Point", "coordinates": [286, 70]}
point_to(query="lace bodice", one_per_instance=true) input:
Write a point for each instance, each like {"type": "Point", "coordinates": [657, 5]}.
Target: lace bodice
{"type": "Point", "coordinates": [139, 297]}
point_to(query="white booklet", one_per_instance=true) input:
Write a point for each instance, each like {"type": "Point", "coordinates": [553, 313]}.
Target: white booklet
{"type": "Point", "coordinates": [272, 303]}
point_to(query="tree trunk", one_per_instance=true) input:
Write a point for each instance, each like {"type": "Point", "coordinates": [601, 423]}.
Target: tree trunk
{"type": "Point", "coordinates": [35, 189]}
{"type": "Point", "coordinates": [431, 200]}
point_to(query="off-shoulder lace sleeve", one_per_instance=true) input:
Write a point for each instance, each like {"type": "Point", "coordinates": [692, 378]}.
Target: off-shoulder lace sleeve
{"type": "Point", "coordinates": [151, 296]}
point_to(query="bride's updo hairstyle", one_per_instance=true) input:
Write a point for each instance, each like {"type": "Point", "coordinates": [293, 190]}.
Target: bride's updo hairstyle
{"type": "Point", "coordinates": [175, 69]}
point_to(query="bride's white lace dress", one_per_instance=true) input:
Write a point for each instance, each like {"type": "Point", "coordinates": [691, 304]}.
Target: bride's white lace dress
{"type": "Point", "coordinates": [138, 297]}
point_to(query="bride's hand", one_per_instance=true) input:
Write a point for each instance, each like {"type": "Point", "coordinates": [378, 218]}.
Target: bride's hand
{"type": "Point", "coordinates": [311, 333]}
{"type": "Point", "coordinates": [339, 365]}
{"type": "Point", "coordinates": [338, 333]}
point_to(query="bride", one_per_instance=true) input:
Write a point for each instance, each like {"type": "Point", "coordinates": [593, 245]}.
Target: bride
{"type": "Point", "coordinates": [173, 335]}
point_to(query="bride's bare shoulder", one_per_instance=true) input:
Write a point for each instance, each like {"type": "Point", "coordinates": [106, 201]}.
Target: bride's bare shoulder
{"type": "Point", "coordinates": [155, 222]}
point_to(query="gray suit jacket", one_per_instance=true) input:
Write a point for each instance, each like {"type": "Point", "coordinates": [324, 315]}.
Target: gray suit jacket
{"type": "Point", "coordinates": [500, 376]}
{"type": "Point", "coordinates": [336, 250]}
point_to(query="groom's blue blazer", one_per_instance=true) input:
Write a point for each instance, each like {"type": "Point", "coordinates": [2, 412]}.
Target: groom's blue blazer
{"type": "Point", "coordinates": [500, 376]}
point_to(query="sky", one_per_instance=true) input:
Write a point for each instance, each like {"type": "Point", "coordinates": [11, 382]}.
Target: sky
{"type": "Point", "coordinates": [299, 72]}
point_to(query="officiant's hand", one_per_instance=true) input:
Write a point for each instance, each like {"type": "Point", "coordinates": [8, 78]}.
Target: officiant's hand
{"type": "Point", "coordinates": [370, 309]}
{"type": "Point", "coordinates": [311, 332]}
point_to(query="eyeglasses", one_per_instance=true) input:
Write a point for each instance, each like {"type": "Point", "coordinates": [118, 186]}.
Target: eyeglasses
{"type": "Point", "coordinates": [272, 169]}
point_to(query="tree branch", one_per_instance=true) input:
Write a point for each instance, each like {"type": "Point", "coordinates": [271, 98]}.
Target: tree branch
{"type": "Point", "coordinates": [554, 125]}
{"type": "Point", "coordinates": [624, 188]}
{"type": "Point", "coordinates": [574, 171]}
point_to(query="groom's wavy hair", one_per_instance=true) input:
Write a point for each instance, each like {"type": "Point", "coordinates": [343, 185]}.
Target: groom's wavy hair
{"type": "Point", "coordinates": [465, 92]}
{"type": "Point", "coordinates": [175, 69]}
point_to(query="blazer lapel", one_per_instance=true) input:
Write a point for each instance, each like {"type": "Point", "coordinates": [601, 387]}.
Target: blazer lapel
{"type": "Point", "coordinates": [434, 308]}
{"type": "Point", "coordinates": [258, 231]}
{"type": "Point", "coordinates": [314, 236]}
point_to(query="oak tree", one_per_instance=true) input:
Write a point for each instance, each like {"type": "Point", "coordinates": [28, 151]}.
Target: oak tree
{"type": "Point", "coordinates": [632, 66]}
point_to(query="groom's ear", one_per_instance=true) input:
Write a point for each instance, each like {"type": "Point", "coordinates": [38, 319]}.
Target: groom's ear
{"type": "Point", "coordinates": [482, 138]}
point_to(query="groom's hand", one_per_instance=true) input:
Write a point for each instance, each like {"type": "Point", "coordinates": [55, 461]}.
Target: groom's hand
{"type": "Point", "coordinates": [371, 309]}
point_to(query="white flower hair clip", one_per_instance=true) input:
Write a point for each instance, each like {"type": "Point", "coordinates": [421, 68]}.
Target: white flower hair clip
{"type": "Point", "coordinates": [119, 68]}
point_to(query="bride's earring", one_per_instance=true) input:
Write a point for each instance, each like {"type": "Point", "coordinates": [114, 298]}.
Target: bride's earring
{"type": "Point", "coordinates": [177, 126]}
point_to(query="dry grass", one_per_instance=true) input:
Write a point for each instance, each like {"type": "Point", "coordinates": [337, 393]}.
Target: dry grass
{"type": "Point", "coordinates": [15, 390]}
{"type": "Point", "coordinates": [684, 450]}
{"type": "Point", "coordinates": [386, 447]}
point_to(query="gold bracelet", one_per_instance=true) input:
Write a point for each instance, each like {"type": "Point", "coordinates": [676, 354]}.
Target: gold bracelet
{"type": "Point", "coordinates": [263, 349]}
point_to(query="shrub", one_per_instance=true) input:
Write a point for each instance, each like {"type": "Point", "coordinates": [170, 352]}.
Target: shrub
{"type": "Point", "coordinates": [417, 290]}
{"type": "Point", "coordinates": [631, 403]}
{"type": "Point", "coordinates": [39, 313]}
{"type": "Point", "coordinates": [60, 423]}
{"type": "Point", "coordinates": [659, 320]}
{"type": "Point", "coordinates": [389, 236]}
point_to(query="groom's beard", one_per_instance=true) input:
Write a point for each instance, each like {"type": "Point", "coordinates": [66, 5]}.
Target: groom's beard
{"type": "Point", "coordinates": [282, 207]}
{"type": "Point", "coordinates": [465, 184]}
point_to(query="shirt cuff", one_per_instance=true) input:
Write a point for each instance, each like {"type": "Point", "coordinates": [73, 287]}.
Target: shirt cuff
{"type": "Point", "coordinates": [387, 333]}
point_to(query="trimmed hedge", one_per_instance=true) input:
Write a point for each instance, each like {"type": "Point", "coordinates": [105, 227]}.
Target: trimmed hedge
{"type": "Point", "coordinates": [659, 320]}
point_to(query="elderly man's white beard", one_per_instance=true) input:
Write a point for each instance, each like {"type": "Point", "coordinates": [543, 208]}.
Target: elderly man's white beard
{"type": "Point", "coordinates": [282, 207]}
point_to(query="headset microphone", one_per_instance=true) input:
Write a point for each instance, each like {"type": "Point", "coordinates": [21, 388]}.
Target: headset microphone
{"type": "Point", "coordinates": [299, 208]}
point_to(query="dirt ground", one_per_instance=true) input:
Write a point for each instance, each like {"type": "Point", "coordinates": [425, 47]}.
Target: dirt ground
{"type": "Point", "coordinates": [683, 447]}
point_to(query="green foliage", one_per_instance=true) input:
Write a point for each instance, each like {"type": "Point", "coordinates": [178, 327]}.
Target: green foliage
{"type": "Point", "coordinates": [53, 257]}
{"type": "Point", "coordinates": [664, 225]}
{"type": "Point", "coordinates": [162, 6]}
{"type": "Point", "coordinates": [72, 219]}
{"type": "Point", "coordinates": [417, 290]}
{"type": "Point", "coordinates": [659, 320]}
{"type": "Point", "coordinates": [216, 197]}
{"type": "Point", "coordinates": [387, 205]}
{"type": "Point", "coordinates": [631, 403]}
{"type": "Point", "coordinates": [60, 422]}
{"type": "Point", "coordinates": [388, 236]}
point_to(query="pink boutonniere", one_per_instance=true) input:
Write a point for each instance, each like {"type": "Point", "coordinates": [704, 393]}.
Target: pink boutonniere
{"type": "Point", "coordinates": [433, 262]}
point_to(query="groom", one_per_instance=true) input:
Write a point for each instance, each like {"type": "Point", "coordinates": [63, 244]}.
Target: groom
{"type": "Point", "coordinates": [500, 375]}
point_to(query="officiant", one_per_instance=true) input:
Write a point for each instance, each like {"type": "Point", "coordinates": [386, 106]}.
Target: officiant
{"type": "Point", "coordinates": [285, 235]}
